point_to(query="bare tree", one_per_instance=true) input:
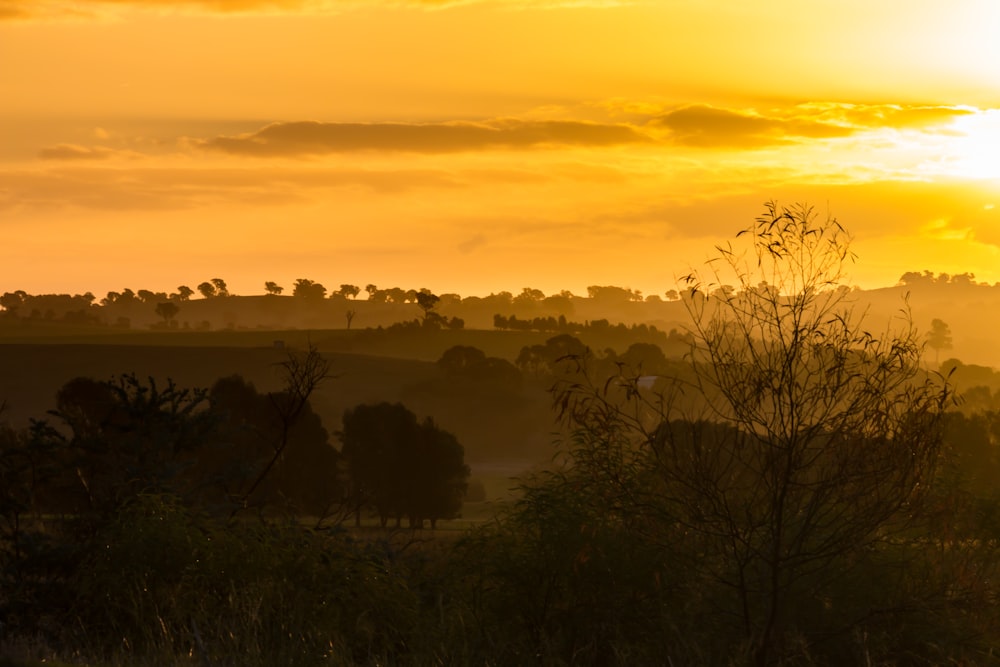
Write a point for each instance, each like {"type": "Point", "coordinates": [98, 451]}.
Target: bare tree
{"type": "Point", "coordinates": [797, 443]}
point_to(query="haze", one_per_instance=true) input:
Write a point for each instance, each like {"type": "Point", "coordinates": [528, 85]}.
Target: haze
{"type": "Point", "coordinates": [479, 146]}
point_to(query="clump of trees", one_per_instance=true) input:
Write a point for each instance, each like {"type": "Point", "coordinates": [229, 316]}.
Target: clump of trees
{"type": "Point", "coordinates": [401, 466]}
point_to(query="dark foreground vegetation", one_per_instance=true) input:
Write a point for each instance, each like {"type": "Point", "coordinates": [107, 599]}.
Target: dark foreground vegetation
{"type": "Point", "coordinates": [797, 492]}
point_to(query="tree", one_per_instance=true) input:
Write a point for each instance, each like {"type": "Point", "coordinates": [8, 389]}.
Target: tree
{"type": "Point", "coordinates": [611, 294]}
{"type": "Point", "coordinates": [400, 466]}
{"type": "Point", "coordinates": [147, 296]}
{"type": "Point", "coordinates": [529, 296]}
{"type": "Point", "coordinates": [371, 437]}
{"type": "Point", "coordinates": [184, 293]}
{"type": "Point", "coordinates": [439, 476]}
{"type": "Point", "coordinates": [12, 301]}
{"type": "Point", "coordinates": [459, 359]}
{"type": "Point", "coordinates": [220, 287]}
{"type": "Point", "coordinates": [427, 301]}
{"type": "Point", "coordinates": [303, 373]}
{"type": "Point", "coordinates": [126, 437]}
{"type": "Point", "coordinates": [798, 450]}
{"type": "Point", "coordinates": [167, 310]}
{"type": "Point", "coordinates": [308, 289]}
{"type": "Point", "coordinates": [251, 428]}
{"type": "Point", "coordinates": [939, 338]}
{"type": "Point", "coordinates": [351, 291]}
{"type": "Point", "coordinates": [207, 290]}
{"type": "Point", "coordinates": [273, 288]}
{"type": "Point", "coordinates": [394, 294]}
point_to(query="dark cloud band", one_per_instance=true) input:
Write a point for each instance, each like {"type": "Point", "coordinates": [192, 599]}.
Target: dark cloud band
{"type": "Point", "coordinates": [313, 138]}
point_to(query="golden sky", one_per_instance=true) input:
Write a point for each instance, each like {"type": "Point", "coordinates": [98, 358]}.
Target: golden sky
{"type": "Point", "coordinates": [474, 146]}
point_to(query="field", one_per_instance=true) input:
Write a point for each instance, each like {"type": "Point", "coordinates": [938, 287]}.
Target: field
{"type": "Point", "coordinates": [504, 433]}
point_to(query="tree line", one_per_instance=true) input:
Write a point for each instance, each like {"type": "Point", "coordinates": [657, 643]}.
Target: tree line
{"type": "Point", "coordinates": [232, 448]}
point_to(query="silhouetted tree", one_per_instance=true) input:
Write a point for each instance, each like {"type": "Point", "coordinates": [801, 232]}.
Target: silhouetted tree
{"type": "Point", "coordinates": [460, 358]}
{"type": "Point", "coordinates": [801, 444]}
{"type": "Point", "coordinates": [396, 295]}
{"type": "Point", "coordinates": [126, 437]}
{"type": "Point", "coordinates": [305, 479]}
{"type": "Point", "coordinates": [427, 301]}
{"type": "Point", "coordinates": [939, 338]}
{"type": "Point", "coordinates": [184, 293]}
{"type": "Point", "coordinates": [220, 287]}
{"type": "Point", "coordinates": [207, 290]}
{"type": "Point", "coordinates": [371, 438]}
{"type": "Point", "coordinates": [147, 296]}
{"type": "Point", "coordinates": [915, 278]}
{"type": "Point", "coordinates": [308, 289]}
{"type": "Point", "coordinates": [401, 467]}
{"type": "Point", "coordinates": [611, 294]}
{"type": "Point", "coordinates": [529, 296]}
{"type": "Point", "coordinates": [273, 288]}
{"type": "Point", "coordinates": [13, 301]}
{"type": "Point", "coordinates": [439, 476]}
{"type": "Point", "coordinates": [303, 372]}
{"type": "Point", "coordinates": [351, 291]}
{"type": "Point", "coordinates": [167, 310]}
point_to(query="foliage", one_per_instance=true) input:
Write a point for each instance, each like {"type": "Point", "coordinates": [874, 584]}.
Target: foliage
{"type": "Point", "coordinates": [400, 466]}
{"type": "Point", "coordinates": [308, 289]}
{"type": "Point", "coordinates": [167, 310]}
{"type": "Point", "coordinates": [126, 437]}
{"type": "Point", "coordinates": [801, 443]}
{"type": "Point", "coordinates": [305, 478]}
{"type": "Point", "coordinates": [168, 582]}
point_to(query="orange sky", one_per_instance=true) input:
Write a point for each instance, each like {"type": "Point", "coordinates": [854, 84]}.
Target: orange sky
{"type": "Point", "coordinates": [478, 146]}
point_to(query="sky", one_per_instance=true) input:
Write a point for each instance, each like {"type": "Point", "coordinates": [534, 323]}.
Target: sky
{"type": "Point", "coordinates": [474, 146]}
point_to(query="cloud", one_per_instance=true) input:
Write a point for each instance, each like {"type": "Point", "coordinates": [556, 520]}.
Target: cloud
{"type": "Point", "coordinates": [76, 152]}
{"type": "Point", "coordinates": [314, 138]}
{"type": "Point", "coordinates": [472, 243]}
{"type": "Point", "coordinates": [894, 116]}
{"type": "Point", "coordinates": [706, 126]}
{"type": "Point", "coordinates": [113, 188]}
{"type": "Point", "coordinates": [95, 9]}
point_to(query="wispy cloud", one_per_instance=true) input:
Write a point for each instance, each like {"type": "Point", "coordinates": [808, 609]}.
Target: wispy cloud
{"type": "Point", "coordinates": [94, 9]}
{"type": "Point", "coordinates": [314, 138]}
{"type": "Point", "coordinates": [707, 126]}
{"type": "Point", "coordinates": [113, 188]}
{"type": "Point", "coordinates": [877, 116]}
{"type": "Point", "coordinates": [85, 153]}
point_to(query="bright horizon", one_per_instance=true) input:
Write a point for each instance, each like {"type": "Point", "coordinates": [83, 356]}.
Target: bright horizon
{"type": "Point", "coordinates": [482, 146]}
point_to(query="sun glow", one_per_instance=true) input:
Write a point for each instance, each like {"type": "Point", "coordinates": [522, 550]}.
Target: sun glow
{"type": "Point", "coordinates": [973, 151]}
